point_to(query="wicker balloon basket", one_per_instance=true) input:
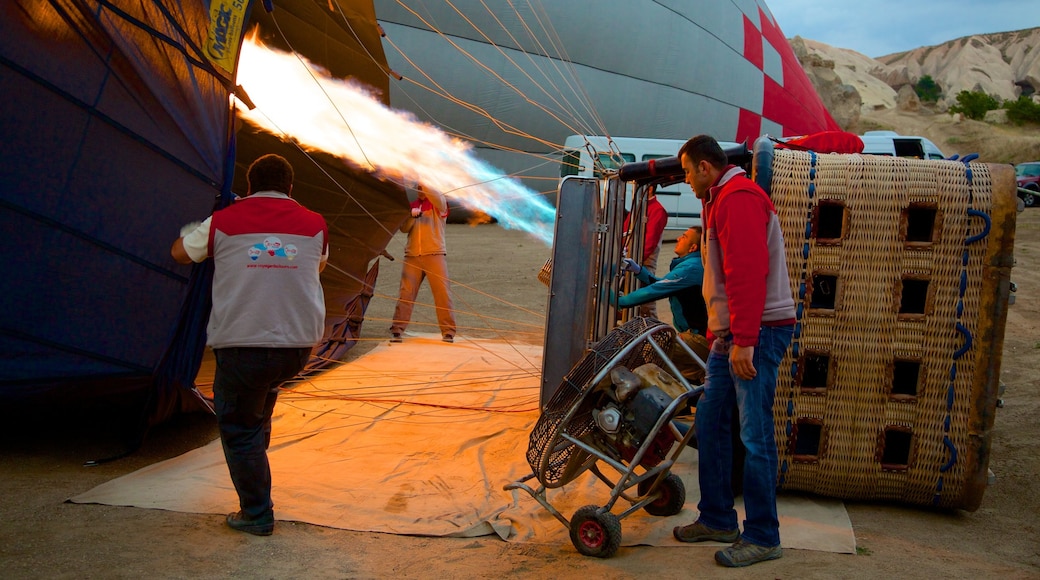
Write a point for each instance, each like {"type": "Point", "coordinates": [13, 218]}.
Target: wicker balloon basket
{"type": "Point", "coordinates": [901, 271]}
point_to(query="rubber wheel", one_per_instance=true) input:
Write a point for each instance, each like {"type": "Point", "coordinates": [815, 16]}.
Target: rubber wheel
{"type": "Point", "coordinates": [672, 496]}
{"type": "Point", "coordinates": [1030, 198]}
{"type": "Point", "coordinates": [595, 534]}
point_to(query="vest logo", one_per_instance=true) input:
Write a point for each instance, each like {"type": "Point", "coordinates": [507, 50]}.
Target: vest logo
{"type": "Point", "coordinates": [273, 247]}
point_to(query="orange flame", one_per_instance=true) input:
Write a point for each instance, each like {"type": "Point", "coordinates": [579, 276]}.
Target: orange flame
{"type": "Point", "coordinates": [297, 99]}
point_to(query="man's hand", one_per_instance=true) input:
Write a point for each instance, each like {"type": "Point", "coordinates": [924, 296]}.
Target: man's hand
{"type": "Point", "coordinates": [741, 359]}
{"type": "Point", "coordinates": [179, 254]}
{"type": "Point", "coordinates": [416, 212]}
{"type": "Point", "coordinates": [630, 265]}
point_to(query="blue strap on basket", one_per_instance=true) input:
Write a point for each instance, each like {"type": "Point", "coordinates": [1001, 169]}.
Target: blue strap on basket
{"type": "Point", "coordinates": [962, 330]}
{"type": "Point", "coordinates": [800, 308]}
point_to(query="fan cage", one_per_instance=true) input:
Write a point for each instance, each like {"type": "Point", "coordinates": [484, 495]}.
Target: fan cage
{"type": "Point", "coordinates": [556, 461]}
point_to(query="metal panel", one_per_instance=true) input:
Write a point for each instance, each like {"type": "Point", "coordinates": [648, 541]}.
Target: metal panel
{"type": "Point", "coordinates": [570, 288]}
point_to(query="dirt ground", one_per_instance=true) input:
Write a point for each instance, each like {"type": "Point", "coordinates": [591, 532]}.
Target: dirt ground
{"type": "Point", "coordinates": [42, 460]}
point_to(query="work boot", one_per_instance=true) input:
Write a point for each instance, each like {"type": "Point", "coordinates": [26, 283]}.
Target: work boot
{"type": "Point", "coordinates": [744, 553]}
{"type": "Point", "coordinates": [698, 532]}
{"type": "Point", "coordinates": [396, 337]}
{"type": "Point", "coordinates": [263, 526]}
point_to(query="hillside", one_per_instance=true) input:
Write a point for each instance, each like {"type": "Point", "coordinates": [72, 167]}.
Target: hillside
{"type": "Point", "coordinates": [865, 94]}
{"type": "Point", "coordinates": [1005, 64]}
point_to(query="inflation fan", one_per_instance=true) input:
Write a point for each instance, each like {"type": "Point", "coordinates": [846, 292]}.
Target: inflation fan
{"type": "Point", "coordinates": [622, 405]}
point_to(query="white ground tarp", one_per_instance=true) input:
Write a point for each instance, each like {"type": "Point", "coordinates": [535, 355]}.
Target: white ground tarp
{"type": "Point", "coordinates": [419, 438]}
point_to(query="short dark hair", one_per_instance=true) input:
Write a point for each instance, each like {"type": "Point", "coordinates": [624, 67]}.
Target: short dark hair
{"type": "Point", "coordinates": [704, 148]}
{"type": "Point", "coordinates": [270, 173]}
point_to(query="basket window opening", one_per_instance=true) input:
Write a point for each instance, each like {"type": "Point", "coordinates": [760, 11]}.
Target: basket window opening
{"type": "Point", "coordinates": [807, 440]}
{"type": "Point", "coordinates": [830, 222]}
{"type": "Point", "coordinates": [921, 223]}
{"type": "Point", "coordinates": [815, 371]}
{"type": "Point", "coordinates": [914, 296]}
{"type": "Point", "coordinates": [896, 454]}
{"type": "Point", "coordinates": [905, 377]}
{"type": "Point", "coordinates": [824, 292]}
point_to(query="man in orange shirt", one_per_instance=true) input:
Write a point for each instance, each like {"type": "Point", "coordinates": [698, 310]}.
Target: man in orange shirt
{"type": "Point", "coordinates": [425, 257]}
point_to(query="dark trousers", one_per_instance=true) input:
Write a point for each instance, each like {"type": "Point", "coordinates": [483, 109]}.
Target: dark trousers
{"type": "Point", "coordinates": [245, 389]}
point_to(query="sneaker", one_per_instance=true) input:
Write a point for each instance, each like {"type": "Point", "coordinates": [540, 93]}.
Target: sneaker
{"type": "Point", "coordinates": [396, 337]}
{"type": "Point", "coordinates": [744, 553]}
{"type": "Point", "coordinates": [263, 526]}
{"type": "Point", "coordinates": [448, 338]}
{"type": "Point", "coordinates": [698, 532]}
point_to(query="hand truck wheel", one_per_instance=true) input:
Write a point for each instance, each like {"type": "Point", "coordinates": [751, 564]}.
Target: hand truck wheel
{"type": "Point", "coordinates": [671, 496]}
{"type": "Point", "coordinates": [595, 533]}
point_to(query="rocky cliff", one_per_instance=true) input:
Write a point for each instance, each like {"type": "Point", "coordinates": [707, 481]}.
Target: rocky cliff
{"type": "Point", "coordinates": [1004, 65]}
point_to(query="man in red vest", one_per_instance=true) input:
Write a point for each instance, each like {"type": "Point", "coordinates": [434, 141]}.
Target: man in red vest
{"type": "Point", "coordinates": [268, 313]}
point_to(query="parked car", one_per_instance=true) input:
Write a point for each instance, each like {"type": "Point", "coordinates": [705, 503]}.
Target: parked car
{"type": "Point", "coordinates": [1027, 175]}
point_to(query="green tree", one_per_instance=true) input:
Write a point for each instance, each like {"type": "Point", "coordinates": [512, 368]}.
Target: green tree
{"type": "Point", "coordinates": [1022, 110]}
{"type": "Point", "coordinates": [974, 104]}
{"type": "Point", "coordinates": [927, 90]}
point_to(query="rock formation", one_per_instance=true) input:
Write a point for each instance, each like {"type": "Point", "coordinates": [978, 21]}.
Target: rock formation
{"type": "Point", "coordinates": [977, 63]}
{"type": "Point", "coordinates": [907, 100]}
{"type": "Point", "coordinates": [1004, 65]}
{"type": "Point", "coordinates": [841, 97]}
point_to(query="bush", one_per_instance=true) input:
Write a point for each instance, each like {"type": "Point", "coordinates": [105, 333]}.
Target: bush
{"type": "Point", "coordinates": [1022, 110]}
{"type": "Point", "coordinates": [927, 90]}
{"type": "Point", "coordinates": [975, 104]}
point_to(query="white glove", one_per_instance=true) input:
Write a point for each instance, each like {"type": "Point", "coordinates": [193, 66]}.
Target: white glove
{"type": "Point", "coordinates": [630, 265]}
{"type": "Point", "coordinates": [416, 212]}
{"type": "Point", "coordinates": [190, 227]}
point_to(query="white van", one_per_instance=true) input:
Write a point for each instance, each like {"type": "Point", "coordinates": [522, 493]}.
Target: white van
{"type": "Point", "coordinates": [682, 205]}
{"type": "Point", "coordinates": [895, 145]}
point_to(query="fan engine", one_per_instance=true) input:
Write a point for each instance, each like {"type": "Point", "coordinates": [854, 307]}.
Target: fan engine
{"type": "Point", "coordinates": [628, 412]}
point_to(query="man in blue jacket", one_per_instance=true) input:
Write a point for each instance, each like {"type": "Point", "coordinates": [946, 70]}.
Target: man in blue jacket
{"type": "Point", "coordinates": [681, 285]}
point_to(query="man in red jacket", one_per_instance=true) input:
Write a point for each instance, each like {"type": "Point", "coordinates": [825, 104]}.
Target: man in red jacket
{"type": "Point", "coordinates": [656, 220]}
{"type": "Point", "coordinates": [750, 325]}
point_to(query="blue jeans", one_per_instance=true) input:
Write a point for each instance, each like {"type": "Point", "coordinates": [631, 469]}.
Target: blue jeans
{"type": "Point", "coordinates": [754, 399]}
{"type": "Point", "coordinates": [245, 389]}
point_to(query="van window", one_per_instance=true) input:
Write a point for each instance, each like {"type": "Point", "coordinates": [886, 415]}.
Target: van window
{"type": "Point", "coordinates": [909, 148]}
{"type": "Point", "coordinates": [571, 163]}
{"type": "Point", "coordinates": [609, 161]}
